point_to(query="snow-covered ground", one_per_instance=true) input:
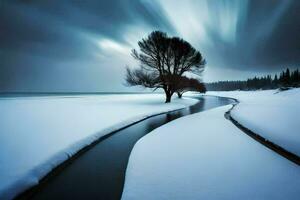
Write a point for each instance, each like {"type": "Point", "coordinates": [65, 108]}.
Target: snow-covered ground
{"type": "Point", "coordinates": [210, 159]}
{"type": "Point", "coordinates": [272, 114]}
{"type": "Point", "coordinates": [38, 133]}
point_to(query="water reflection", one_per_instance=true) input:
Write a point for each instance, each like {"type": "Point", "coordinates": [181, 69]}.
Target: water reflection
{"type": "Point", "coordinates": [205, 103]}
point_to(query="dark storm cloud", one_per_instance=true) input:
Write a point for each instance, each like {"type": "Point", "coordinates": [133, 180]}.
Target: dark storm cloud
{"type": "Point", "coordinates": [55, 25]}
{"type": "Point", "coordinates": [267, 39]}
{"type": "Point", "coordinates": [27, 30]}
{"type": "Point", "coordinates": [44, 42]}
{"type": "Point", "coordinates": [283, 45]}
{"type": "Point", "coordinates": [275, 28]}
{"type": "Point", "coordinates": [46, 34]}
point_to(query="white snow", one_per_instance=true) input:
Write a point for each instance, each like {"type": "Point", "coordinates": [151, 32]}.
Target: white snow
{"type": "Point", "coordinates": [38, 133]}
{"type": "Point", "coordinates": [210, 159]}
{"type": "Point", "coordinates": [272, 114]}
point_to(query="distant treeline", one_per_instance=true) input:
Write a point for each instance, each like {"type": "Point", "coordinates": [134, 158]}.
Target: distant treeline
{"type": "Point", "coordinates": [286, 78]}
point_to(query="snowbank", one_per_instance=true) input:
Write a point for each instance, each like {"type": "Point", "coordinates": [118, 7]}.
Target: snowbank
{"type": "Point", "coordinates": [272, 114]}
{"type": "Point", "coordinates": [210, 159]}
{"type": "Point", "coordinates": [38, 133]}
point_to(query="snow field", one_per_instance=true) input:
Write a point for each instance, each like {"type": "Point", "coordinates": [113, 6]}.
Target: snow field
{"type": "Point", "coordinates": [210, 159]}
{"type": "Point", "coordinates": [39, 133]}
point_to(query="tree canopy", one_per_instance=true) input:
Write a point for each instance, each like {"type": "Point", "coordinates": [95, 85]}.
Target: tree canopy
{"type": "Point", "coordinates": [186, 84]}
{"type": "Point", "coordinates": [163, 62]}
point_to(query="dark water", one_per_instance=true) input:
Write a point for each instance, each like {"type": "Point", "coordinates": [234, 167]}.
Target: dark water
{"type": "Point", "coordinates": [99, 173]}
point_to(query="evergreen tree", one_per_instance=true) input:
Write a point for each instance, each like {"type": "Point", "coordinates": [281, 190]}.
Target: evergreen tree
{"type": "Point", "coordinates": [286, 78]}
{"type": "Point", "coordinates": [275, 82]}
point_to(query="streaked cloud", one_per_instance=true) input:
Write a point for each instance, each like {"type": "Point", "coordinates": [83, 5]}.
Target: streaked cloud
{"type": "Point", "coordinates": [43, 40]}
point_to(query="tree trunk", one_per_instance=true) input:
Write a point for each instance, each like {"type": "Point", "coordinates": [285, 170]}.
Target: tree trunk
{"type": "Point", "coordinates": [168, 96]}
{"type": "Point", "coordinates": [168, 93]}
{"type": "Point", "coordinates": [179, 94]}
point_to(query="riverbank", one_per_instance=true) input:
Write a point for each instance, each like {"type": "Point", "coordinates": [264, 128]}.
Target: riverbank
{"type": "Point", "coordinates": [210, 159]}
{"type": "Point", "coordinates": [272, 114]}
{"type": "Point", "coordinates": [39, 133]}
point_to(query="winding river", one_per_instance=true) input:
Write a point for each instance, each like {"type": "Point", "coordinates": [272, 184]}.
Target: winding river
{"type": "Point", "coordinates": [99, 171]}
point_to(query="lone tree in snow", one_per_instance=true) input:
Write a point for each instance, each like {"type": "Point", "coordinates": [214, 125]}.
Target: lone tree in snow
{"type": "Point", "coordinates": [163, 61]}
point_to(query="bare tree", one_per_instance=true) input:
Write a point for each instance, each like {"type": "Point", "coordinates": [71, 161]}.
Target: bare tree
{"type": "Point", "coordinates": [162, 60]}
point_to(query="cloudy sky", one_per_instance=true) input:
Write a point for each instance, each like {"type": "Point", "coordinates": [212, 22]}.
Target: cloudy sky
{"type": "Point", "coordinates": [65, 45]}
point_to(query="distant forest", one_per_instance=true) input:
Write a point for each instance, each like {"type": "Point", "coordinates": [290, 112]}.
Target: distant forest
{"type": "Point", "coordinates": [286, 78]}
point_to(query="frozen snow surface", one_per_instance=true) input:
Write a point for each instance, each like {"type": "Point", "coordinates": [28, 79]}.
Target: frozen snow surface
{"type": "Point", "coordinates": [38, 133]}
{"type": "Point", "coordinates": [210, 159]}
{"type": "Point", "coordinates": [272, 114]}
